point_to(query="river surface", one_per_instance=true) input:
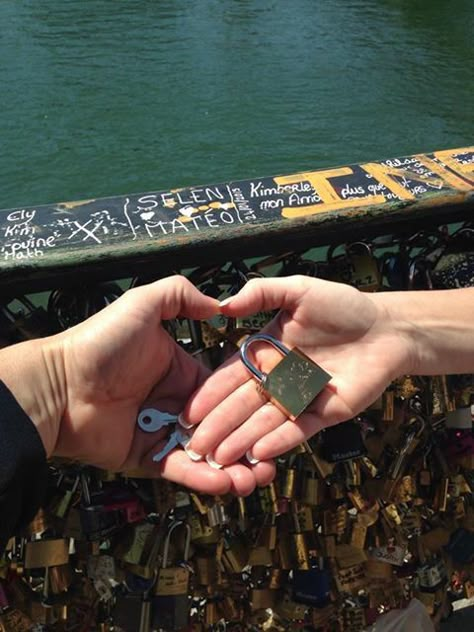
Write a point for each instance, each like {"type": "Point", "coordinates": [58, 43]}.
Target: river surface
{"type": "Point", "coordinates": [105, 97]}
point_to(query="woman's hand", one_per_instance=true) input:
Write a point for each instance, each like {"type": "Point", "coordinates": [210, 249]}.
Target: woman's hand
{"type": "Point", "coordinates": [350, 334]}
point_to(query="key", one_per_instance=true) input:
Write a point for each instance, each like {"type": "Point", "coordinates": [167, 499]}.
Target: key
{"type": "Point", "coordinates": [152, 420]}
{"type": "Point", "coordinates": [176, 438]}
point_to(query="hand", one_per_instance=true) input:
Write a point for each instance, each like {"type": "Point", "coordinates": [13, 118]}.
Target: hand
{"type": "Point", "coordinates": [348, 333]}
{"type": "Point", "coordinates": [90, 382]}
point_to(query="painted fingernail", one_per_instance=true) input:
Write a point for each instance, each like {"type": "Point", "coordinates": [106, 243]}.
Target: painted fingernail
{"type": "Point", "coordinates": [251, 459]}
{"type": "Point", "coordinates": [183, 423]}
{"type": "Point", "coordinates": [194, 456]}
{"type": "Point", "coordinates": [212, 463]}
{"type": "Point", "coordinates": [226, 301]}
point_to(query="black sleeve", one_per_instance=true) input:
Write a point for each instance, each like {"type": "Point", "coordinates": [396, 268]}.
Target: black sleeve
{"type": "Point", "coordinates": [23, 467]}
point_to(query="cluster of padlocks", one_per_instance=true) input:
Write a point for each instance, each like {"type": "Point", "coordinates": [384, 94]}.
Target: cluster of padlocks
{"type": "Point", "coordinates": [359, 520]}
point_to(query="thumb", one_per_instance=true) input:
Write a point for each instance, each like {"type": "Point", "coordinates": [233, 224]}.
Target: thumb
{"type": "Point", "coordinates": [266, 295]}
{"type": "Point", "coordinates": [177, 296]}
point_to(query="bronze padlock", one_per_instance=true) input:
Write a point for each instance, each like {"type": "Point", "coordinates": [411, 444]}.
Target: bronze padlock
{"type": "Point", "coordinates": [206, 569]}
{"type": "Point", "coordinates": [293, 383]}
{"type": "Point", "coordinates": [45, 553]}
{"type": "Point", "coordinates": [262, 598]}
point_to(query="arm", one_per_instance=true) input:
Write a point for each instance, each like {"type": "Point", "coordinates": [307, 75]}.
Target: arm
{"type": "Point", "coordinates": [363, 340]}
{"type": "Point", "coordinates": [82, 390]}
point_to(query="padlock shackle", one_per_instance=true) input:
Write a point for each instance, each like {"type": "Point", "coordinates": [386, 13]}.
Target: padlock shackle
{"type": "Point", "coordinates": [259, 338]}
{"type": "Point", "coordinates": [187, 544]}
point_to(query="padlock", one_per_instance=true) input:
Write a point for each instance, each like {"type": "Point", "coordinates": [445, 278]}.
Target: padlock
{"type": "Point", "coordinates": [314, 489]}
{"type": "Point", "coordinates": [236, 552]}
{"type": "Point", "coordinates": [206, 569]}
{"type": "Point", "coordinates": [459, 419]}
{"type": "Point", "coordinates": [455, 268]}
{"type": "Point", "coordinates": [211, 614]}
{"type": "Point", "coordinates": [13, 620]}
{"type": "Point", "coordinates": [268, 533]}
{"type": "Point", "coordinates": [262, 598]}
{"type": "Point", "coordinates": [62, 501]}
{"type": "Point", "coordinates": [207, 344]}
{"type": "Point", "coordinates": [107, 511]}
{"type": "Point", "coordinates": [364, 268]}
{"type": "Point", "coordinates": [138, 548]}
{"type": "Point", "coordinates": [419, 274]}
{"type": "Point", "coordinates": [127, 611]}
{"type": "Point", "coordinates": [293, 383]}
{"type": "Point", "coordinates": [228, 609]}
{"type": "Point", "coordinates": [342, 442]}
{"type": "Point", "coordinates": [431, 574]}
{"type": "Point", "coordinates": [172, 603]}
{"type": "Point", "coordinates": [300, 546]}
{"type": "Point", "coordinates": [290, 609]}
{"type": "Point", "coordinates": [60, 578]}
{"type": "Point", "coordinates": [288, 487]}
{"type": "Point", "coordinates": [312, 587]}
{"type": "Point", "coordinates": [45, 553]}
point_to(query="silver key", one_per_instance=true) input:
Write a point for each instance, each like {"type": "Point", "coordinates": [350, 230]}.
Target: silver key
{"type": "Point", "coordinates": [152, 420]}
{"type": "Point", "coordinates": [176, 438]}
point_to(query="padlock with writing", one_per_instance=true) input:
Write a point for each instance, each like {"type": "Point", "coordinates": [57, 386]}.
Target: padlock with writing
{"type": "Point", "coordinates": [342, 442]}
{"type": "Point", "coordinates": [312, 586]}
{"type": "Point", "coordinates": [293, 383]}
{"type": "Point", "coordinates": [172, 602]}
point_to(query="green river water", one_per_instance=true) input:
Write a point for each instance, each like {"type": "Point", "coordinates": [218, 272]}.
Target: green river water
{"type": "Point", "coordinates": [105, 97]}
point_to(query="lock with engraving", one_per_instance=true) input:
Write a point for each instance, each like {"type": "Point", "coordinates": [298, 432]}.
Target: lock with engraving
{"type": "Point", "coordinates": [171, 603]}
{"type": "Point", "coordinates": [293, 383]}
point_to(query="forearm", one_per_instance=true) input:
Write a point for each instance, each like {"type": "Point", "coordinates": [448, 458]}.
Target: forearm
{"type": "Point", "coordinates": [33, 373]}
{"type": "Point", "coordinates": [438, 323]}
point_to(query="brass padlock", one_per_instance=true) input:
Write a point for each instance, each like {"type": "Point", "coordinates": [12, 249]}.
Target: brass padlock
{"type": "Point", "coordinates": [45, 553]}
{"type": "Point", "coordinates": [174, 580]}
{"type": "Point", "coordinates": [293, 383]}
{"type": "Point", "coordinates": [262, 598]}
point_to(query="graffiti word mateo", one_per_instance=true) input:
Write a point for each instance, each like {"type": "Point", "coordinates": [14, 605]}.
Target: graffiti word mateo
{"type": "Point", "coordinates": [213, 220]}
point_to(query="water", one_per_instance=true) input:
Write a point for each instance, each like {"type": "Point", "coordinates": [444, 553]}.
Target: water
{"type": "Point", "coordinates": [107, 97]}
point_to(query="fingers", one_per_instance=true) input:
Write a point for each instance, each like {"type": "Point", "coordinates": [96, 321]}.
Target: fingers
{"type": "Point", "coordinates": [224, 381]}
{"type": "Point", "coordinates": [174, 296]}
{"type": "Point", "coordinates": [286, 437]}
{"type": "Point", "coordinates": [267, 433]}
{"type": "Point", "coordinates": [227, 416]}
{"type": "Point", "coordinates": [263, 421]}
{"type": "Point", "coordinates": [237, 478]}
{"type": "Point", "coordinates": [268, 294]}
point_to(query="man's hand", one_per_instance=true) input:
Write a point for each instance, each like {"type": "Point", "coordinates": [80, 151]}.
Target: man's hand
{"type": "Point", "coordinates": [85, 387]}
{"type": "Point", "coordinates": [350, 334]}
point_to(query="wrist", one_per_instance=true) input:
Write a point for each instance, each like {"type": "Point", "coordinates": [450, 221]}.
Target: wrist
{"type": "Point", "coordinates": [397, 322]}
{"type": "Point", "coordinates": [438, 327]}
{"type": "Point", "coordinates": [33, 372]}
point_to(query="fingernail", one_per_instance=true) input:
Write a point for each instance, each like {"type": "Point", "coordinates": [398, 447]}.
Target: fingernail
{"type": "Point", "coordinates": [226, 301]}
{"type": "Point", "coordinates": [251, 459]}
{"type": "Point", "coordinates": [212, 463]}
{"type": "Point", "coordinates": [183, 423]}
{"type": "Point", "coordinates": [194, 456]}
